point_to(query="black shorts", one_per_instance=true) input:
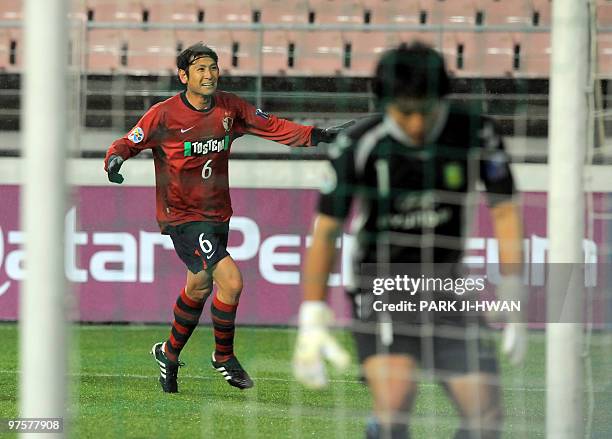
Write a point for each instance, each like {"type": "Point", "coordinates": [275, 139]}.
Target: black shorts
{"type": "Point", "coordinates": [445, 349]}
{"type": "Point", "coordinates": [200, 245]}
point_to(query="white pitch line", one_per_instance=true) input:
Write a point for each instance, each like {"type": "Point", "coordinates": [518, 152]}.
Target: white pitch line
{"type": "Point", "coordinates": [194, 377]}
{"type": "Point", "coordinates": [111, 327]}
{"type": "Point", "coordinates": [212, 378]}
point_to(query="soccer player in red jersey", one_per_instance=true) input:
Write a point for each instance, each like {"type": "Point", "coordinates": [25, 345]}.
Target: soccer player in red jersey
{"type": "Point", "coordinates": [190, 135]}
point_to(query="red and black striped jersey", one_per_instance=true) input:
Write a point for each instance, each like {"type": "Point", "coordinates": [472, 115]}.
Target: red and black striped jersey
{"type": "Point", "coordinates": [191, 150]}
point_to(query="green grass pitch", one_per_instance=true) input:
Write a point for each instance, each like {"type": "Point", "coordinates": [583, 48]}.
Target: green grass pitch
{"type": "Point", "coordinates": [115, 392]}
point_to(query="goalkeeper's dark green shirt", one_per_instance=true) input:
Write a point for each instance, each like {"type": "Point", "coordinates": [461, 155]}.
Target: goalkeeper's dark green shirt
{"type": "Point", "coordinates": [413, 202]}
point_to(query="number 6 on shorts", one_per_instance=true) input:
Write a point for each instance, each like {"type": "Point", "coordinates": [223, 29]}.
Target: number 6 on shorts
{"type": "Point", "coordinates": [205, 244]}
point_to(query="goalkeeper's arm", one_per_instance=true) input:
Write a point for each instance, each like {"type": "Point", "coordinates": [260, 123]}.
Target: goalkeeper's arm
{"type": "Point", "coordinates": [509, 233]}
{"type": "Point", "coordinates": [508, 230]}
{"type": "Point", "coordinates": [314, 343]}
{"type": "Point", "coordinates": [320, 257]}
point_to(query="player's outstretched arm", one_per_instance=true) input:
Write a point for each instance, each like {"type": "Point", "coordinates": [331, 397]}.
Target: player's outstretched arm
{"type": "Point", "coordinates": [328, 135]}
{"type": "Point", "coordinates": [113, 167]}
{"type": "Point", "coordinates": [314, 343]}
{"type": "Point", "coordinates": [259, 123]}
{"type": "Point", "coordinates": [142, 136]}
{"type": "Point", "coordinates": [508, 229]}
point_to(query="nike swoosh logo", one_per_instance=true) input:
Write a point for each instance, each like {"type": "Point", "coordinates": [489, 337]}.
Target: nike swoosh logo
{"type": "Point", "coordinates": [210, 255]}
{"type": "Point", "coordinates": [184, 131]}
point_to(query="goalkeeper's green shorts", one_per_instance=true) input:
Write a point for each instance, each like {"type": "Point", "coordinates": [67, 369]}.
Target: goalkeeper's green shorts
{"type": "Point", "coordinates": [451, 348]}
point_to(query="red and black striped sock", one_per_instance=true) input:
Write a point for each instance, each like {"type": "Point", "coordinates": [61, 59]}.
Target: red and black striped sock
{"type": "Point", "coordinates": [187, 314]}
{"type": "Point", "coordinates": [223, 318]}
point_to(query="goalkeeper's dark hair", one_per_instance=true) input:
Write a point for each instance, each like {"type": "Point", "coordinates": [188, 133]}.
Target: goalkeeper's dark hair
{"type": "Point", "coordinates": [194, 52]}
{"type": "Point", "coordinates": [416, 71]}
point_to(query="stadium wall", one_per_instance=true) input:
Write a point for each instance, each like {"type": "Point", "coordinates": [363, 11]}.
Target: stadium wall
{"type": "Point", "coordinates": [122, 269]}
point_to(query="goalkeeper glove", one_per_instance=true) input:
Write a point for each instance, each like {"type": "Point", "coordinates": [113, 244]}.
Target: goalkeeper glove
{"type": "Point", "coordinates": [515, 342]}
{"type": "Point", "coordinates": [114, 165]}
{"type": "Point", "coordinates": [315, 344]}
{"type": "Point", "coordinates": [328, 135]}
{"type": "Point", "coordinates": [514, 339]}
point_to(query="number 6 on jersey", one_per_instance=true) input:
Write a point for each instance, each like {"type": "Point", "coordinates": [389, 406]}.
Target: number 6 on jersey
{"type": "Point", "coordinates": [207, 170]}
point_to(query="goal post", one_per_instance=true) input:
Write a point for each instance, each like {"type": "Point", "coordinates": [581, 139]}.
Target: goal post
{"type": "Point", "coordinates": [42, 319]}
{"type": "Point", "coordinates": [567, 145]}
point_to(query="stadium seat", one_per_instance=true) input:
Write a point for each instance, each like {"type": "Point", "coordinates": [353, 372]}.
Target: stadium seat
{"type": "Point", "coordinates": [408, 11]}
{"type": "Point", "coordinates": [367, 48]}
{"type": "Point", "coordinates": [506, 12]}
{"type": "Point", "coordinates": [454, 12]}
{"type": "Point", "coordinates": [543, 9]}
{"type": "Point", "coordinates": [104, 51]}
{"type": "Point", "coordinates": [5, 49]}
{"type": "Point", "coordinates": [405, 12]}
{"type": "Point", "coordinates": [150, 52]}
{"type": "Point", "coordinates": [334, 11]}
{"type": "Point", "coordinates": [604, 13]}
{"type": "Point", "coordinates": [77, 12]}
{"type": "Point", "coordinates": [461, 53]}
{"type": "Point", "coordinates": [319, 53]}
{"type": "Point", "coordinates": [275, 52]}
{"type": "Point", "coordinates": [494, 55]}
{"type": "Point", "coordinates": [222, 11]}
{"type": "Point", "coordinates": [534, 55]}
{"type": "Point", "coordinates": [604, 62]}
{"type": "Point", "coordinates": [502, 58]}
{"type": "Point", "coordinates": [469, 54]}
{"type": "Point", "coordinates": [178, 11]}
{"type": "Point", "coordinates": [121, 11]}
{"type": "Point", "coordinates": [244, 53]}
{"type": "Point", "coordinates": [11, 10]}
{"type": "Point", "coordinates": [11, 50]}
{"type": "Point", "coordinates": [283, 11]}
{"type": "Point", "coordinates": [516, 54]}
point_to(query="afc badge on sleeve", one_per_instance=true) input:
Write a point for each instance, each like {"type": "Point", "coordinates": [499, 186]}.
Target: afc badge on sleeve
{"type": "Point", "coordinates": [136, 135]}
{"type": "Point", "coordinates": [259, 112]}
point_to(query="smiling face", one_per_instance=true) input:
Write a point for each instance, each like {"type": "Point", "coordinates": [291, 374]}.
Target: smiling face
{"type": "Point", "coordinates": [202, 77]}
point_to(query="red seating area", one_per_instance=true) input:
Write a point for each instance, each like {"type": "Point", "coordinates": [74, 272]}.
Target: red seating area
{"type": "Point", "coordinates": [313, 53]}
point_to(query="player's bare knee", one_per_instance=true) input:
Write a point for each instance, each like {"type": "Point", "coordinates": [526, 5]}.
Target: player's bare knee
{"type": "Point", "coordinates": [233, 296]}
{"type": "Point", "coordinates": [233, 288]}
{"type": "Point", "coordinates": [487, 420]}
{"type": "Point", "coordinates": [402, 402]}
{"type": "Point", "coordinates": [492, 415]}
{"type": "Point", "coordinates": [198, 293]}
{"type": "Point", "coordinates": [394, 404]}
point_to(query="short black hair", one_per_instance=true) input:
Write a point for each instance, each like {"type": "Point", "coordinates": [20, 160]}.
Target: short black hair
{"type": "Point", "coordinates": [193, 52]}
{"type": "Point", "coordinates": [416, 71]}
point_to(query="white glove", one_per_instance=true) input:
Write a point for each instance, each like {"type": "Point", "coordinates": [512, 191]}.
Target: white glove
{"type": "Point", "coordinates": [514, 339]}
{"type": "Point", "coordinates": [315, 344]}
{"type": "Point", "coordinates": [514, 342]}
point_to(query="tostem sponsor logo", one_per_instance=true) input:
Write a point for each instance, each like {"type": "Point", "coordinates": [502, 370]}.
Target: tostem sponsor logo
{"type": "Point", "coordinates": [203, 147]}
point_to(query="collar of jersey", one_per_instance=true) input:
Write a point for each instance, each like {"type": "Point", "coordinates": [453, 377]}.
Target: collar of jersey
{"type": "Point", "coordinates": [183, 95]}
{"type": "Point", "coordinates": [398, 134]}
